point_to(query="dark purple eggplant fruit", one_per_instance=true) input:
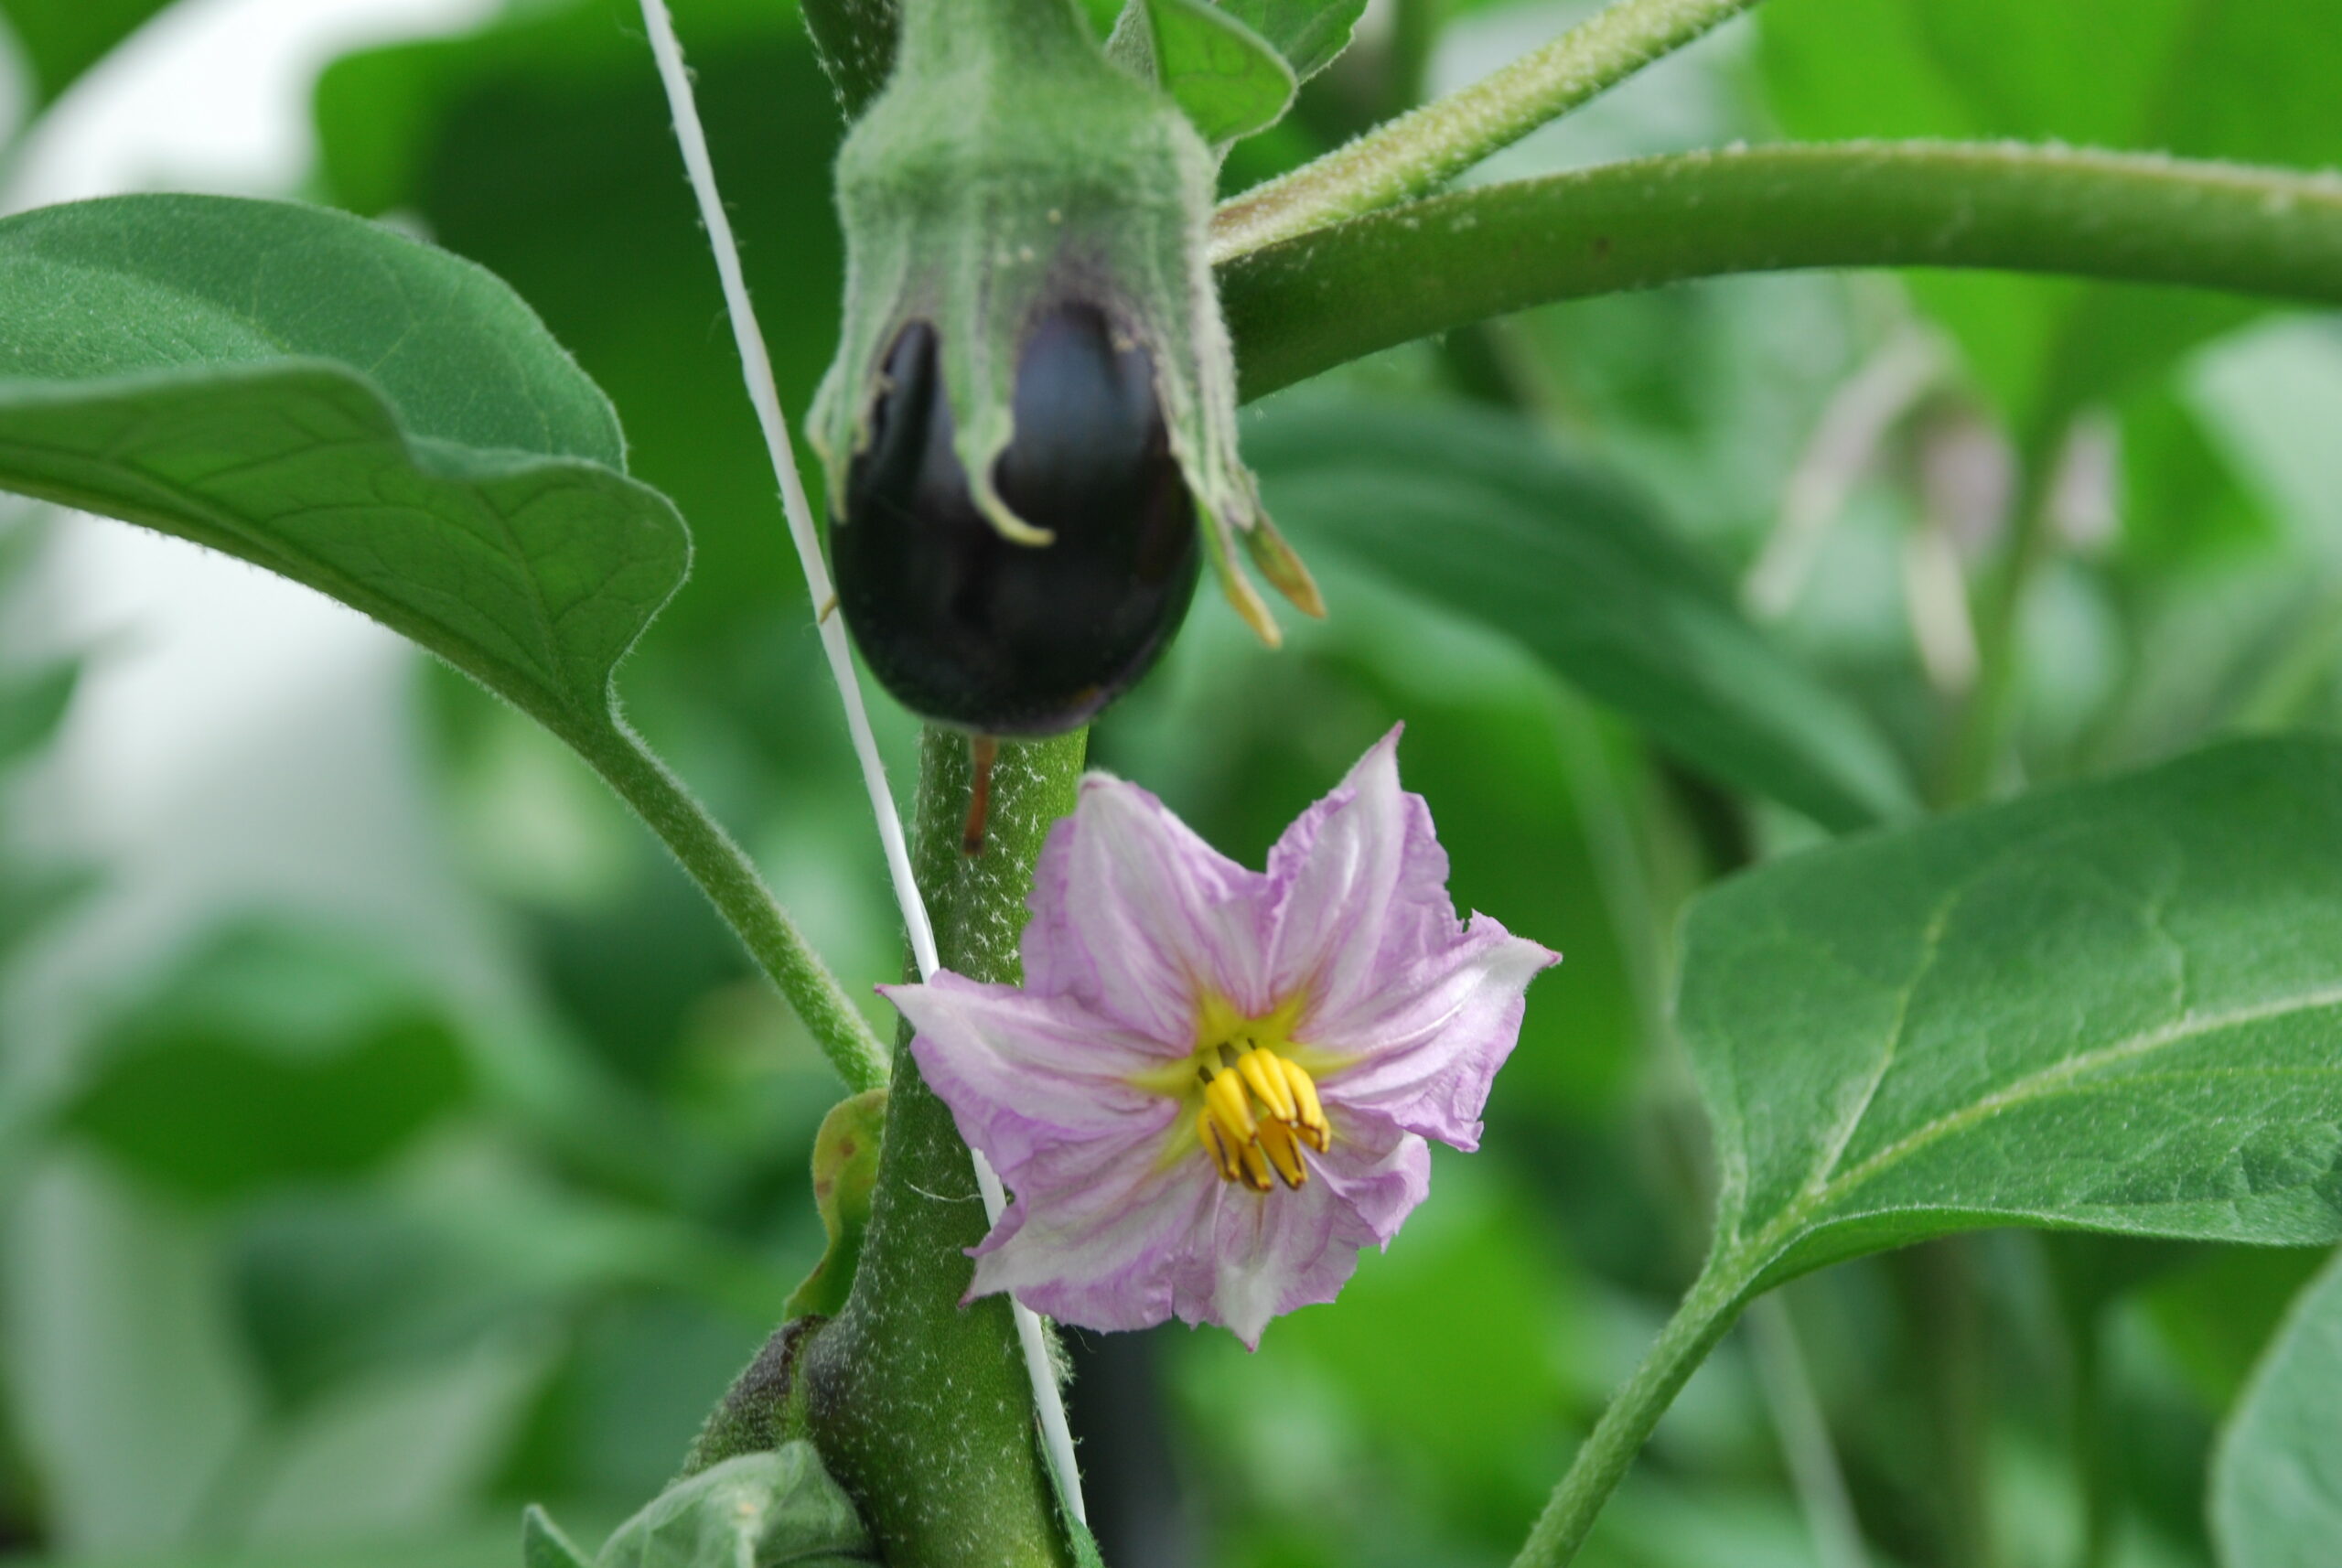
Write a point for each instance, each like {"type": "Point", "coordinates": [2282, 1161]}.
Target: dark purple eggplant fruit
{"type": "Point", "coordinates": [968, 629]}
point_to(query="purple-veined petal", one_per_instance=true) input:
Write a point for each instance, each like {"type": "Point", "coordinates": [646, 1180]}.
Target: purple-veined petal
{"type": "Point", "coordinates": [1268, 1253]}
{"type": "Point", "coordinates": [1097, 1230]}
{"type": "Point", "coordinates": [1425, 1048]}
{"type": "Point", "coordinates": [1135, 914]}
{"type": "Point", "coordinates": [1359, 887]}
{"type": "Point", "coordinates": [1021, 1072]}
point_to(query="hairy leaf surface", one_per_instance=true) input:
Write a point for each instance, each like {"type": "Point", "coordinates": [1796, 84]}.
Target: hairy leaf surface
{"type": "Point", "coordinates": [372, 417]}
{"type": "Point", "coordinates": [2114, 1007]}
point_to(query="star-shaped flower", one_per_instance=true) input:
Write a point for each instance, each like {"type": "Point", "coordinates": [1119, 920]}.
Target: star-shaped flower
{"type": "Point", "coordinates": [1215, 1085]}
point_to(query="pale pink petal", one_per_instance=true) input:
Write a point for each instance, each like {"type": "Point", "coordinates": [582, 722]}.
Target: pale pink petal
{"type": "Point", "coordinates": [1137, 917]}
{"type": "Point", "coordinates": [1359, 888]}
{"type": "Point", "coordinates": [1268, 1253]}
{"type": "Point", "coordinates": [1021, 1071]}
{"type": "Point", "coordinates": [1425, 1047]}
{"type": "Point", "coordinates": [1097, 1232]}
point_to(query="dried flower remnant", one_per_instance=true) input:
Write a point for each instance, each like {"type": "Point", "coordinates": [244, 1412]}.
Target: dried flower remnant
{"type": "Point", "coordinates": [1216, 1085]}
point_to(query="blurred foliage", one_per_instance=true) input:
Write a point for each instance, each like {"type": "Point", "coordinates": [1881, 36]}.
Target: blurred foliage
{"type": "Point", "coordinates": [317, 1255]}
{"type": "Point", "coordinates": [60, 39]}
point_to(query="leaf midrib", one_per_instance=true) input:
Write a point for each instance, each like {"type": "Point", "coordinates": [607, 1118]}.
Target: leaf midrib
{"type": "Point", "coordinates": [1808, 1212]}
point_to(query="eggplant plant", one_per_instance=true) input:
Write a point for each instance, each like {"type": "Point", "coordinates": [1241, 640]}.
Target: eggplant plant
{"type": "Point", "coordinates": [1938, 971]}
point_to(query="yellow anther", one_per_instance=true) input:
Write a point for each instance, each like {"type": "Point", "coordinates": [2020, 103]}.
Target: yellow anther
{"type": "Point", "coordinates": [1277, 1143]}
{"type": "Point", "coordinates": [1224, 1100]}
{"type": "Point", "coordinates": [1263, 1074]}
{"type": "Point", "coordinates": [1309, 1112]}
{"type": "Point", "coordinates": [1207, 1131]}
{"type": "Point", "coordinates": [1256, 1167]}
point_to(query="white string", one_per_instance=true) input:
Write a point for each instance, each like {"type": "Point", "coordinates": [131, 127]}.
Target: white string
{"type": "Point", "coordinates": [755, 367]}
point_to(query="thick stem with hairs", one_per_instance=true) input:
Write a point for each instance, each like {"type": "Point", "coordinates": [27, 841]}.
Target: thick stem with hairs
{"type": "Point", "coordinates": [1307, 305]}
{"type": "Point", "coordinates": [921, 1405]}
{"type": "Point", "coordinates": [1418, 153]}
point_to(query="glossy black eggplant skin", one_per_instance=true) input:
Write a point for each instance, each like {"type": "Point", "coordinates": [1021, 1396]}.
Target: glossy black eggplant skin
{"type": "Point", "coordinates": [968, 629]}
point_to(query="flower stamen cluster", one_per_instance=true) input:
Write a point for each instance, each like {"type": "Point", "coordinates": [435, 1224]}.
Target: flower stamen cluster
{"type": "Point", "coordinates": [1245, 1146]}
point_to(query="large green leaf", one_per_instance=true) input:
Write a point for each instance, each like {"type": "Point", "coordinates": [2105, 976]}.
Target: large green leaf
{"type": "Point", "coordinates": [541, 148]}
{"type": "Point", "coordinates": [2243, 80]}
{"type": "Point", "coordinates": [62, 38]}
{"type": "Point", "coordinates": [2115, 1007]}
{"type": "Point", "coordinates": [2277, 1476]}
{"type": "Point", "coordinates": [367, 416]}
{"type": "Point", "coordinates": [1475, 511]}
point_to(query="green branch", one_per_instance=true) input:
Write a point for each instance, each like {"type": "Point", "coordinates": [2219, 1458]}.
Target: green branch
{"type": "Point", "coordinates": [1420, 152]}
{"type": "Point", "coordinates": [729, 878]}
{"type": "Point", "coordinates": [1307, 305]}
{"type": "Point", "coordinates": [1708, 1312]}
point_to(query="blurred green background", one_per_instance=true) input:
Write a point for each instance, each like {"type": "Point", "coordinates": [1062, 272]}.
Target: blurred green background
{"type": "Point", "coordinates": [462, 1164]}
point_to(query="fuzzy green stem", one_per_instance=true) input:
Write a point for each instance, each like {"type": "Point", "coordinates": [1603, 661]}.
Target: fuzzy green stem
{"type": "Point", "coordinates": [1307, 305]}
{"type": "Point", "coordinates": [729, 878]}
{"type": "Point", "coordinates": [1420, 152]}
{"type": "Point", "coordinates": [921, 1405]}
{"type": "Point", "coordinates": [1708, 1311]}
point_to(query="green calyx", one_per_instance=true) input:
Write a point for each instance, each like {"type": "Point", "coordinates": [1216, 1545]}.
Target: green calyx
{"type": "Point", "coordinates": [1009, 168]}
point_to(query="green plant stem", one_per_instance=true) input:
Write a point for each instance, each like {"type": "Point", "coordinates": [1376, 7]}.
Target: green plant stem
{"type": "Point", "coordinates": [1307, 305]}
{"type": "Point", "coordinates": [1709, 1308]}
{"type": "Point", "coordinates": [729, 878]}
{"type": "Point", "coordinates": [920, 1406]}
{"type": "Point", "coordinates": [1420, 152]}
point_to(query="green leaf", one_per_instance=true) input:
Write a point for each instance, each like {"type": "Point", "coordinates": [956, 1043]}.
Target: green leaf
{"type": "Point", "coordinates": [391, 425]}
{"type": "Point", "coordinates": [544, 1546]}
{"type": "Point", "coordinates": [2277, 1475]}
{"type": "Point", "coordinates": [1308, 33]}
{"type": "Point", "coordinates": [759, 1510]}
{"type": "Point", "coordinates": [1227, 77]}
{"type": "Point", "coordinates": [1475, 511]}
{"type": "Point", "coordinates": [62, 38]}
{"type": "Point", "coordinates": [269, 1057]}
{"type": "Point", "coordinates": [2107, 1007]}
{"type": "Point", "coordinates": [359, 412]}
{"type": "Point", "coordinates": [559, 102]}
{"type": "Point", "coordinates": [2208, 79]}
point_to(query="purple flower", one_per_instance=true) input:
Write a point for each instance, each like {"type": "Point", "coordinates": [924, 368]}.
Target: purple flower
{"type": "Point", "coordinates": [1215, 1085]}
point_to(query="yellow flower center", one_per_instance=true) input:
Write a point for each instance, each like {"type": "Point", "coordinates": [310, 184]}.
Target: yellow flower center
{"type": "Point", "coordinates": [1258, 1103]}
{"type": "Point", "coordinates": [1248, 1145]}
